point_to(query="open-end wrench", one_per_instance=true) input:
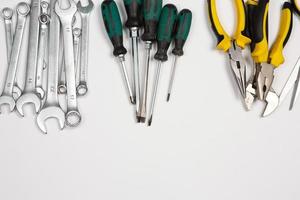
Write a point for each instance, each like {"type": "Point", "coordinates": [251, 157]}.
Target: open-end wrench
{"type": "Point", "coordinates": [44, 20]}
{"type": "Point", "coordinates": [7, 14]}
{"type": "Point", "coordinates": [85, 12]}
{"type": "Point", "coordinates": [29, 95]}
{"type": "Point", "coordinates": [23, 10]}
{"type": "Point", "coordinates": [76, 42]}
{"type": "Point", "coordinates": [65, 12]}
{"type": "Point", "coordinates": [51, 108]}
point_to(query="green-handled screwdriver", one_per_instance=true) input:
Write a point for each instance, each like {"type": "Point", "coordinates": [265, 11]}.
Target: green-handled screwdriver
{"type": "Point", "coordinates": [134, 23]}
{"type": "Point", "coordinates": [182, 30]}
{"type": "Point", "coordinates": [113, 25]}
{"type": "Point", "coordinates": [151, 12]}
{"type": "Point", "coordinates": [164, 38]}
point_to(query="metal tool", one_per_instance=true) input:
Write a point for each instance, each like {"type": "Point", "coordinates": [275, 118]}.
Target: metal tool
{"type": "Point", "coordinates": [66, 13]}
{"type": "Point", "coordinates": [7, 14]}
{"type": "Point", "coordinates": [134, 23]}
{"type": "Point", "coordinates": [232, 46]}
{"type": "Point", "coordinates": [85, 12]}
{"type": "Point", "coordinates": [164, 38]}
{"type": "Point", "coordinates": [6, 97]}
{"type": "Point", "coordinates": [29, 95]}
{"type": "Point", "coordinates": [113, 25]}
{"type": "Point", "coordinates": [76, 42]}
{"type": "Point", "coordinates": [44, 20]}
{"type": "Point", "coordinates": [51, 108]}
{"type": "Point", "coordinates": [273, 58]}
{"type": "Point", "coordinates": [183, 25]}
{"type": "Point", "coordinates": [151, 11]}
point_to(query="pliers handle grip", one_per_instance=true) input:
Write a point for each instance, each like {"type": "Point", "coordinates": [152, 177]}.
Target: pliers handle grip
{"type": "Point", "coordinates": [224, 40]}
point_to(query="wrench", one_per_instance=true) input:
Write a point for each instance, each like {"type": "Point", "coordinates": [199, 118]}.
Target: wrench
{"type": "Point", "coordinates": [76, 42]}
{"type": "Point", "coordinates": [44, 20]}
{"type": "Point", "coordinates": [84, 11]}
{"type": "Point", "coordinates": [29, 95]}
{"type": "Point", "coordinates": [23, 10]}
{"type": "Point", "coordinates": [65, 14]}
{"type": "Point", "coordinates": [7, 14]}
{"type": "Point", "coordinates": [51, 108]}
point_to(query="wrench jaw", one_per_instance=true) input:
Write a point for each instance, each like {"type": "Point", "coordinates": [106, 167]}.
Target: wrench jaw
{"type": "Point", "coordinates": [8, 100]}
{"type": "Point", "coordinates": [48, 113]}
{"type": "Point", "coordinates": [87, 9]}
{"type": "Point", "coordinates": [66, 14]}
{"type": "Point", "coordinates": [82, 89]}
{"type": "Point", "coordinates": [272, 100]}
{"type": "Point", "coordinates": [73, 118]}
{"type": "Point", "coordinates": [28, 98]}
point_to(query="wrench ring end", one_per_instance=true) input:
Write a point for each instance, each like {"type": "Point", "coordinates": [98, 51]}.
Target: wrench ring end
{"type": "Point", "coordinates": [73, 118]}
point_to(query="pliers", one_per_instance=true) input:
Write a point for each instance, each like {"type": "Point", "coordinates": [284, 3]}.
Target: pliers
{"type": "Point", "coordinates": [233, 46]}
{"type": "Point", "coordinates": [266, 61]}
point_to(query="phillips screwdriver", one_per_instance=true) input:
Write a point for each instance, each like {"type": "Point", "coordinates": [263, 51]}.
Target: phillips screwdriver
{"type": "Point", "coordinates": [151, 13]}
{"type": "Point", "coordinates": [164, 37]}
{"type": "Point", "coordinates": [113, 25]}
{"type": "Point", "coordinates": [182, 30]}
{"type": "Point", "coordinates": [134, 23]}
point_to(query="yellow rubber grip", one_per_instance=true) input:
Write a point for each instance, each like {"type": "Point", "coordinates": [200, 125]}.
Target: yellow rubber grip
{"type": "Point", "coordinates": [240, 35]}
{"type": "Point", "coordinates": [276, 57]}
{"type": "Point", "coordinates": [224, 41]}
{"type": "Point", "coordinates": [261, 49]}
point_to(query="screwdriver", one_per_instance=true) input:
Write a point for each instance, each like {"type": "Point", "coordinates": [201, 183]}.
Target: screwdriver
{"type": "Point", "coordinates": [133, 23]}
{"type": "Point", "coordinates": [182, 30]}
{"type": "Point", "coordinates": [164, 37]}
{"type": "Point", "coordinates": [151, 12]}
{"type": "Point", "coordinates": [113, 25]}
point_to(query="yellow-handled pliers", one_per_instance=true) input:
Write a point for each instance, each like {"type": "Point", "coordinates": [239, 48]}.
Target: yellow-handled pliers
{"type": "Point", "coordinates": [232, 45]}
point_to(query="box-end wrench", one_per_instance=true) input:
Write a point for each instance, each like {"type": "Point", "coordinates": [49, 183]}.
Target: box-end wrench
{"type": "Point", "coordinates": [7, 14]}
{"type": "Point", "coordinates": [76, 42]}
{"type": "Point", "coordinates": [44, 20]}
{"type": "Point", "coordinates": [51, 108]}
{"type": "Point", "coordinates": [29, 95]}
{"type": "Point", "coordinates": [23, 10]}
{"type": "Point", "coordinates": [65, 13]}
{"type": "Point", "coordinates": [85, 12]}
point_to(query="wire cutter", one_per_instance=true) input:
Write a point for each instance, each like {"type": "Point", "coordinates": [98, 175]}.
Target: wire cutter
{"type": "Point", "coordinates": [232, 46]}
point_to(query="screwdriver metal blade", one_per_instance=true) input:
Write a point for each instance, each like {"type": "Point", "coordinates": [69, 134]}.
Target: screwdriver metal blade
{"type": "Point", "coordinates": [173, 72]}
{"type": "Point", "coordinates": [296, 91]}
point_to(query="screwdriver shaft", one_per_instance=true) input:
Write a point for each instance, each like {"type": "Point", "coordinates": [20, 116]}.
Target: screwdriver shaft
{"type": "Point", "coordinates": [173, 72]}
{"type": "Point", "coordinates": [125, 75]}
{"type": "Point", "coordinates": [143, 108]}
{"type": "Point", "coordinates": [155, 89]}
{"type": "Point", "coordinates": [134, 34]}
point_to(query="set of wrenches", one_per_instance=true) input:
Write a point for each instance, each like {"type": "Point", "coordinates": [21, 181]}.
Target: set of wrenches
{"type": "Point", "coordinates": [57, 59]}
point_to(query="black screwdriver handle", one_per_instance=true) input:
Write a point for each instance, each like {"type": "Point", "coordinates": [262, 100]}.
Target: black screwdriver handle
{"type": "Point", "coordinates": [182, 30]}
{"type": "Point", "coordinates": [165, 31]}
{"type": "Point", "coordinates": [134, 13]}
{"type": "Point", "coordinates": [113, 25]}
{"type": "Point", "coordinates": [151, 13]}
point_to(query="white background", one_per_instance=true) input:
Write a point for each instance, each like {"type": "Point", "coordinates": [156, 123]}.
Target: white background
{"type": "Point", "coordinates": [203, 144]}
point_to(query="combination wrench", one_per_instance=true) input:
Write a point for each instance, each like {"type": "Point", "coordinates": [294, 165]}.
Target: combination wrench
{"type": "Point", "coordinates": [23, 10]}
{"type": "Point", "coordinates": [7, 14]}
{"type": "Point", "coordinates": [84, 11]}
{"type": "Point", "coordinates": [44, 20]}
{"type": "Point", "coordinates": [29, 95]}
{"type": "Point", "coordinates": [51, 108]}
{"type": "Point", "coordinates": [76, 42]}
{"type": "Point", "coordinates": [66, 12]}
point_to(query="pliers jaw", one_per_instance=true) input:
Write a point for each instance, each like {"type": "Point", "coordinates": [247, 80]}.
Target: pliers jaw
{"type": "Point", "coordinates": [264, 80]}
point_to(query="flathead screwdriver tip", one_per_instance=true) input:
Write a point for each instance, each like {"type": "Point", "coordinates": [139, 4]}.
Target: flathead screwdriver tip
{"type": "Point", "coordinates": [168, 97]}
{"type": "Point", "coordinates": [150, 121]}
{"type": "Point", "coordinates": [132, 100]}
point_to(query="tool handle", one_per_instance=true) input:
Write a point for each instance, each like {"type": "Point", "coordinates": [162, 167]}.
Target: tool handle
{"type": "Point", "coordinates": [113, 26]}
{"type": "Point", "coordinates": [134, 13]}
{"type": "Point", "coordinates": [286, 24]}
{"type": "Point", "coordinates": [182, 30]}
{"type": "Point", "coordinates": [296, 6]}
{"type": "Point", "coordinates": [250, 20]}
{"type": "Point", "coordinates": [165, 31]}
{"type": "Point", "coordinates": [260, 31]}
{"type": "Point", "coordinates": [224, 41]}
{"type": "Point", "coordinates": [151, 13]}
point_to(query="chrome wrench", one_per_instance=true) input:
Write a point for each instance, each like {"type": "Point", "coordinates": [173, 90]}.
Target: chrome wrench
{"type": "Point", "coordinates": [7, 14]}
{"type": "Point", "coordinates": [44, 20]}
{"type": "Point", "coordinates": [65, 11]}
{"type": "Point", "coordinates": [51, 108]}
{"type": "Point", "coordinates": [85, 12]}
{"type": "Point", "coordinates": [6, 97]}
{"type": "Point", "coordinates": [29, 95]}
{"type": "Point", "coordinates": [76, 42]}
